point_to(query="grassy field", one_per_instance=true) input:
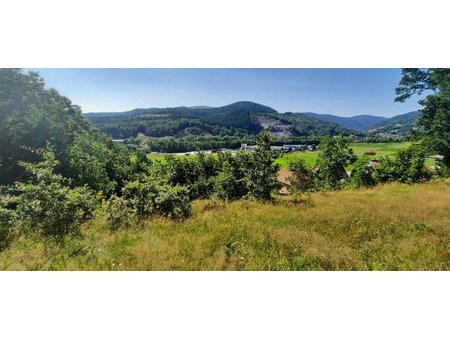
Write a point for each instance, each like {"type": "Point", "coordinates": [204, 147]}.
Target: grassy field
{"type": "Point", "coordinates": [382, 149]}
{"type": "Point", "coordinates": [390, 227]}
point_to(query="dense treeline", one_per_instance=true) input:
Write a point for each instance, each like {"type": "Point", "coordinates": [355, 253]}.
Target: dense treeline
{"type": "Point", "coordinates": [199, 143]}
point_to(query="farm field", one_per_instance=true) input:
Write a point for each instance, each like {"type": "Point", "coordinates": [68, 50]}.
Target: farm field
{"type": "Point", "coordinates": [389, 227]}
{"type": "Point", "coordinates": [381, 149]}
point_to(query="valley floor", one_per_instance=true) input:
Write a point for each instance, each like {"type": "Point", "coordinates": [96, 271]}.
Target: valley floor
{"type": "Point", "coordinates": [390, 227]}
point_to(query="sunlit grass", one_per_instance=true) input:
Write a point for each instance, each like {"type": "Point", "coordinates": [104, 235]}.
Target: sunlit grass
{"type": "Point", "coordinates": [390, 227]}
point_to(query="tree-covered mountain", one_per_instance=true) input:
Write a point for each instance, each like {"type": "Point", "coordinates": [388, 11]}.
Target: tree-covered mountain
{"type": "Point", "coordinates": [396, 126]}
{"type": "Point", "coordinates": [237, 119]}
{"type": "Point", "coordinates": [358, 122]}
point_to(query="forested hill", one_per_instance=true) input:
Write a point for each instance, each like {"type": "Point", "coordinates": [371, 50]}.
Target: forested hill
{"type": "Point", "coordinates": [358, 122]}
{"type": "Point", "coordinates": [399, 125]}
{"type": "Point", "coordinates": [236, 119]}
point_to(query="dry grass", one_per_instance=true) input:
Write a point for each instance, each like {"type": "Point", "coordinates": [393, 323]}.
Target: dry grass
{"type": "Point", "coordinates": [391, 227]}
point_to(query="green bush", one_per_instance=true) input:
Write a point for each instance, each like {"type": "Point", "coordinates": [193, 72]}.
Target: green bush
{"type": "Point", "coordinates": [46, 202]}
{"type": "Point", "coordinates": [408, 166]}
{"type": "Point", "coordinates": [151, 197]}
{"type": "Point", "coordinates": [196, 174]}
{"type": "Point", "coordinates": [173, 202]}
{"type": "Point", "coordinates": [230, 184]}
{"type": "Point", "coordinates": [442, 170]}
{"type": "Point", "coordinates": [249, 175]}
{"type": "Point", "coordinates": [335, 154]}
{"type": "Point", "coordinates": [119, 213]}
{"type": "Point", "coordinates": [8, 219]}
{"type": "Point", "coordinates": [363, 174]}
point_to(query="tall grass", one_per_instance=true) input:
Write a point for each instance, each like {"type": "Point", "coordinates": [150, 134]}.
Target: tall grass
{"type": "Point", "coordinates": [390, 227]}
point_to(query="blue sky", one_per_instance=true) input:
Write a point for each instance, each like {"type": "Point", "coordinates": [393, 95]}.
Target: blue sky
{"type": "Point", "coordinates": [344, 92]}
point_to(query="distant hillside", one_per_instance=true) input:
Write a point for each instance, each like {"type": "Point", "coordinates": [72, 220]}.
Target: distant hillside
{"type": "Point", "coordinates": [399, 125]}
{"type": "Point", "coordinates": [239, 118]}
{"type": "Point", "coordinates": [359, 122]}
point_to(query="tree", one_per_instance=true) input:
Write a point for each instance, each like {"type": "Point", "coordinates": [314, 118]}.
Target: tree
{"type": "Point", "coordinates": [362, 173]}
{"type": "Point", "coordinates": [32, 116]}
{"type": "Point", "coordinates": [47, 203]}
{"type": "Point", "coordinates": [262, 174]}
{"type": "Point", "coordinates": [249, 175]}
{"type": "Point", "coordinates": [335, 154]}
{"type": "Point", "coordinates": [435, 118]}
{"type": "Point", "coordinates": [89, 160]}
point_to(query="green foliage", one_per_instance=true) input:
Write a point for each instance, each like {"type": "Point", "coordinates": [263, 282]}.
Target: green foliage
{"type": "Point", "coordinates": [301, 177]}
{"type": "Point", "coordinates": [119, 213]}
{"type": "Point", "coordinates": [151, 197]}
{"type": "Point", "coordinates": [173, 202]}
{"type": "Point", "coordinates": [249, 175]}
{"type": "Point", "coordinates": [231, 182]}
{"type": "Point", "coordinates": [408, 166]}
{"type": "Point", "coordinates": [363, 173]}
{"type": "Point", "coordinates": [197, 174]}
{"type": "Point", "coordinates": [335, 154]}
{"type": "Point", "coordinates": [47, 204]}
{"type": "Point", "coordinates": [262, 174]}
{"type": "Point", "coordinates": [435, 118]}
{"type": "Point", "coordinates": [31, 117]}
{"type": "Point", "coordinates": [89, 159]}
{"type": "Point", "coordinates": [8, 219]}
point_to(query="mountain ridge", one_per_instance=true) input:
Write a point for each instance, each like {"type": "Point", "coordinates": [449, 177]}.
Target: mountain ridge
{"type": "Point", "coordinates": [244, 117]}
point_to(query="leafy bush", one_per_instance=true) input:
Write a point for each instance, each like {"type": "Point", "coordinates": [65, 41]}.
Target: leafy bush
{"type": "Point", "coordinates": [8, 218]}
{"type": "Point", "coordinates": [230, 183]}
{"type": "Point", "coordinates": [151, 197]}
{"type": "Point", "coordinates": [442, 170]}
{"type": "Point", "coordinates": [249, 175]}
{"type": "Point", "coordinates": [302, 176]}
{"type": "Point", "coordinates": [196, 174]}
{"type": "Point", "coordinates": [119, 213]}
{"type": "Point", "coordinates": [335, 154]}
{"type": "Point", "coordinates": [47, 203]}
{"type": "Point", "coordinates": [363, 174]}
{"type": "Point", "coordinates": [408, 166]}
{"type": "Point", "coordinates": [173, 201]}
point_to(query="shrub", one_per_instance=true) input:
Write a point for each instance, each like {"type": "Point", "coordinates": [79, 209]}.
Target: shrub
{"type": "Point", "coordinates": [196, 174]}
{"type": "Point", "coordinates": [119, 213]}
{"type": "Point", "coordinates": [8, 218]}
{"type": "Point", "coordinates": [335, 154]}
{"type": "Point", "coordinates": [229, 184]}
{"type": "Point", "coordinates": [363, 174]}
{"type": "Point", "coordinates": [47, 203]}
{"type": "Point", "coordinates": [407, 167]}
{"type": "Point", "coordinates": [302, 176]}
{"type": "Point", "coordinates": [248, 175]}
{"type": "Point", "coordinates": [387, 170]}
{"type": "Point", "coordinates": [442, 170]}
{"type": "Point", "coordinates": [151, 197]}
{"type": "Point", "coordinates": [173, 202]}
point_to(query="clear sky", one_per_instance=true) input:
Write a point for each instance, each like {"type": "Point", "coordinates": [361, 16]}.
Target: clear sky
{"type": "Point", "coordinates": [344, 92]}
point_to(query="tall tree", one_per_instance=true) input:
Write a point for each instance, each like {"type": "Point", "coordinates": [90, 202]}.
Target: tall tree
{"type": "Point", "coordinates": [32, 117]}
{"type": "Point", "coordinates": [335, 154]}
{"type": "Point", "coordinates": [435, 118]}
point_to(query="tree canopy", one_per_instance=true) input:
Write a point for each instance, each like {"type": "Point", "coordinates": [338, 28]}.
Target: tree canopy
{"type": "Point", "coordinates": [435, 118]}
